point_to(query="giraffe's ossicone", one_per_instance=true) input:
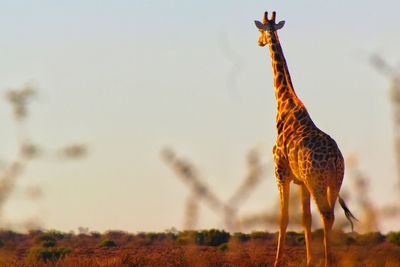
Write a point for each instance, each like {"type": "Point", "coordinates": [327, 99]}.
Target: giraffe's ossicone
{"type": "Point", "coordinates": [303, 153]}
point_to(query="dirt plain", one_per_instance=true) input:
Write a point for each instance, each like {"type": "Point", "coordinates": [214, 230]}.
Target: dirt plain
{"type": "Point", "coordinates": [189, 248]}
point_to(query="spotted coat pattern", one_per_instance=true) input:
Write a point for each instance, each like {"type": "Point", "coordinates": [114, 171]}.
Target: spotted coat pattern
{"type": "Point", "coordinates": [303, 153]}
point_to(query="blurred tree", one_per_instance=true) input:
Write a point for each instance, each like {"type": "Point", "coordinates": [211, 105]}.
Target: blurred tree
{"type": "Point", "coordinates": [393, 75]}
{"type": "Point", "coordinates": [11, 170]}
{"type": "Point", "coordinates": [200, 191]}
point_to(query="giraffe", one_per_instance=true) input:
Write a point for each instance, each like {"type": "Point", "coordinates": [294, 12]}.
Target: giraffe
{"type": "Point", "coordinates": [303, 153]}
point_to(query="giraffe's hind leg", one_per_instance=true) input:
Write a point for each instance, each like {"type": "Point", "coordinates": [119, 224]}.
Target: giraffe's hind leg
{"type": "Point", "coordinates": [327, 216]}
{"type": "Point", "coordinates": [305, 204]}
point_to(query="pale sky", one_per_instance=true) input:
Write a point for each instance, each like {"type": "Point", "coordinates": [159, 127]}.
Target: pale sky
{"type": "Point", "coordinates": [131, 77]}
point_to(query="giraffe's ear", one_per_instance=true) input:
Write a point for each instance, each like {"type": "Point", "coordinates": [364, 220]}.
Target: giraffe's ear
{"type": "Point", "coordinates": [279, 25]}
{"type": "Point", "coordinates": [261, 26]}
{"type": "Point", "coordinates": [269, 26]}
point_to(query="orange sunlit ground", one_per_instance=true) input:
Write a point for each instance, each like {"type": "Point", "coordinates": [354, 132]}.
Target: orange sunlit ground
{"type": "Point", "coordinates": [201, 248]}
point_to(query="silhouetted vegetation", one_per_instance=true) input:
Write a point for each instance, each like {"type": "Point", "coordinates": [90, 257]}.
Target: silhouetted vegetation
{"type": "Point", "coordinates": [212, 237]}
{"type": "Point", "coordinates": [107, 243]}
{"type": "Point", "coordinates": [47, 254]}
{"type": "Point", "coordinates": [394, 237]}
{"type": "Point", "coordinates": [261, 235]}
{"type": "Point", "coordinates": [223, 247]}
{"type": "Point", "coordinates": [241, 237]}
{"type": "Point", "coordinates": [188, 248]}
{"type": "Point", "coordinates": [370, 238]}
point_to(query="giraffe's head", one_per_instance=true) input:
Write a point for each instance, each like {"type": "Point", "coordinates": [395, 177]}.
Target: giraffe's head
{"type": "Point", "coordinates": [267, 26]}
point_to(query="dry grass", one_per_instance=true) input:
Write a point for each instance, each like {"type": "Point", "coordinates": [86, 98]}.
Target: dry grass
{"type": "Point", "coordinates": [165, 249]}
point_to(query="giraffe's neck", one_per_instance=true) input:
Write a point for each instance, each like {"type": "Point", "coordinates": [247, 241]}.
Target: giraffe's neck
{"type": "Point", "coordinates": [284, 91]}
{"type": "Point", "coordinates": [290, 109]}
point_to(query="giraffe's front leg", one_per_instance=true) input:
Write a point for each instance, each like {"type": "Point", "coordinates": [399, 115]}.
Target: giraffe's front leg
{"type": "Point", "coordinates": [305, 203]}
{"type": "Point", "coordinates": [284, 190]}
{"type": "Point", "coordinates": [283, 180]}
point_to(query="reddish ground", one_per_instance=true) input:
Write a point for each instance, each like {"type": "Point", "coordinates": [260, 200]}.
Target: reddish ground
{"type": "Point", "coordinates": [186, 249]}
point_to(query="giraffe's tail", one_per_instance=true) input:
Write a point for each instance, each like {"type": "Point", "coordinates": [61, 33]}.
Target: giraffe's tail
{"type": "Point", "coordinates": [347, 213]}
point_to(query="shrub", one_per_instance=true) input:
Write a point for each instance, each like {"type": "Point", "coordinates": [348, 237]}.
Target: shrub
{"type": "Point", "coordinates": [223, 247]}
{"type": "Point", "coordinates": [151, 236]}
{"type": "Point", "coordinates": [394, 237]}
{"type": "Point", "coordinates": [115, 234]}
{"type": "Point", "coordinates": [50, 236]}
{"type": "Point", "coordinates": [107, 243]}
{"type": "Point", "coordinates": [49, 239]}
{"type": "Point", "coordinates": [10, 235]}
{"type": "Point", "coordinates": [186, 237]}
{"type": "Point", "coordinates": [340, 238]}
{"type": "Point", "coordinates": [212, 237]}
{"type": "Point", "coordinates": [49, 243]}
{"type": "Point", "coordinates": [95, 234]}
{"type": "Point", "coordinates": [56, 234]}
{"type": "Point", "coordinates": [45, 238]}
{"type": "Point", "coordinates": [370, 238]}
{"type": "Point", "coordinates": [46, 254]}
{"type": "Point", "coordinates": [261, 235]}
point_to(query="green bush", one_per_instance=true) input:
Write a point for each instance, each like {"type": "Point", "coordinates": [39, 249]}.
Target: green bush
{"type": "Point", "coordinates": [107, 243]}
{"type": "Point", "coordinates": [45, 238]}
{"type": "Point", "coordinates": [211, 237]}
{"type": "Point", "coordinates": [50, 237]}
{"type": "Point", "coordinates": [49, 243]}
{"type": "Point", "coordinates": [223, 247]}
{"type": "Point", "coordinates": [186, 237]}
{"type": "Point", "coordinates": [150, 237]}
{"type": "Point", "coordinates": [394, 237]}
{"type": "Point", "coordinates": [54, 234]}
{"type": "Point", "coordinates": [46, 254]}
